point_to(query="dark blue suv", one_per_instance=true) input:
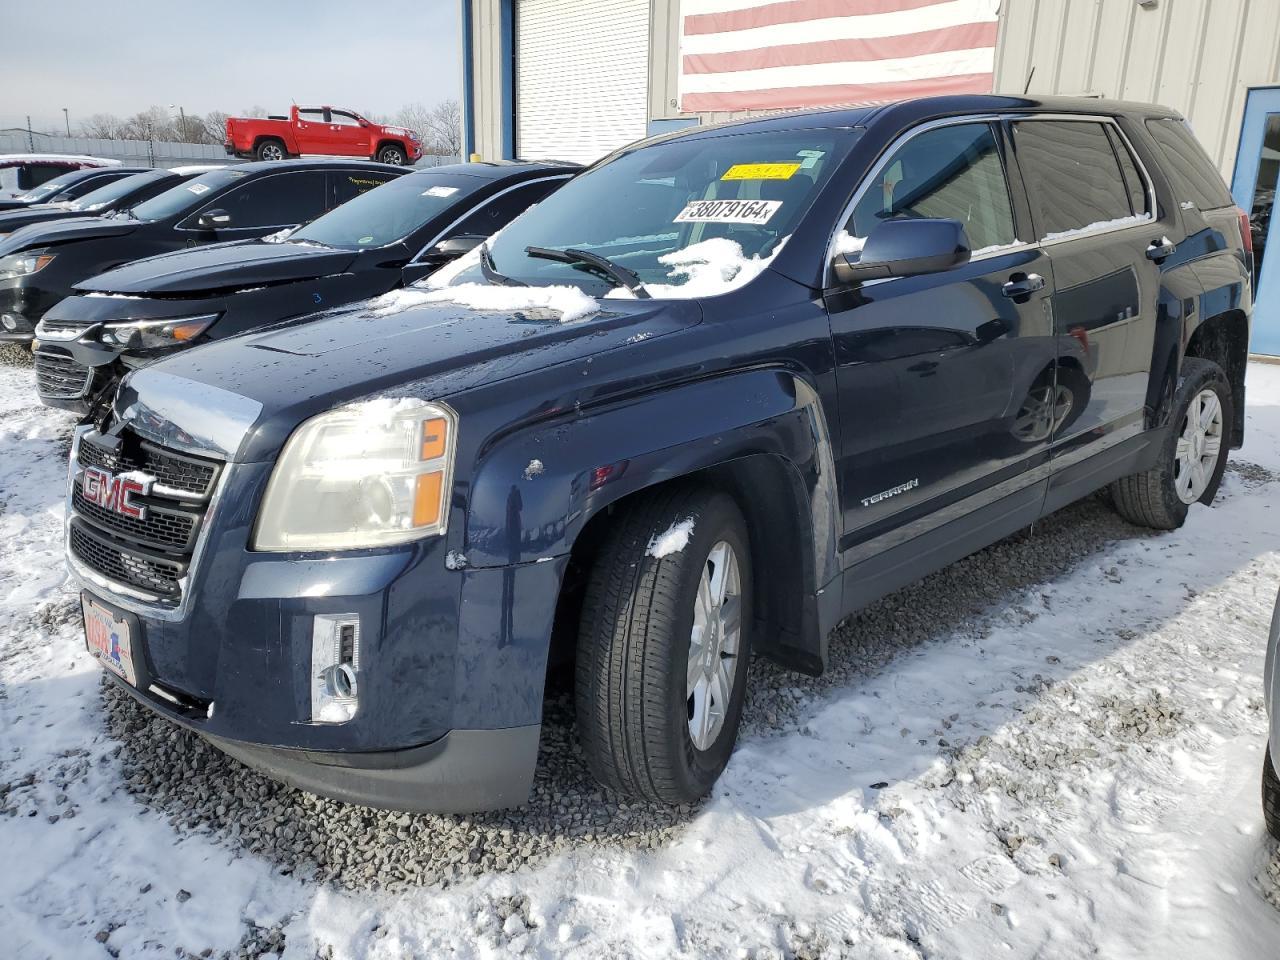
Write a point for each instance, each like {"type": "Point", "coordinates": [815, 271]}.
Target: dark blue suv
{"type": "Point", "coordinates": [716, 393]}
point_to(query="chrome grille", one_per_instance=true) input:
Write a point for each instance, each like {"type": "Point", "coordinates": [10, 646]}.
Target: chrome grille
{"type": "Point", "coordinates": [150, 554]}
{"type": "Point", "coordinates": [58, 377]}
{"type": "Point", "coordinates": [50, 325]}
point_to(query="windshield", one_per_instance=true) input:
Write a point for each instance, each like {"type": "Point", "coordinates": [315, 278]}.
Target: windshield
{"type": "Point", "coordinates": [107, 196]}
{"type": "Point", "coordinates": [390, 212]}
{"type": "Point", "coordinates": [186, 196]}
{"type": "Point", "coordinates": [687, 217]}
{"type": "Point", "coordinates": [50, 187]}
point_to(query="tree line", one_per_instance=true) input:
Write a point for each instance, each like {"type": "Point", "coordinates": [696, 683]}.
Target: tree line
{"type": "Point", "coordinates": [440, 126]}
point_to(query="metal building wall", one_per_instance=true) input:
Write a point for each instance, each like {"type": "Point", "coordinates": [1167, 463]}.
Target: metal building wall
{"type": "Point", "coordinates": [1198, 56]}
{"type": "Point", "coordinates": [487, 75]}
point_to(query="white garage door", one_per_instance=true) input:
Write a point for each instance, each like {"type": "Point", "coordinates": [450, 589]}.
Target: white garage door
{"type": "Point", "coordinates": [582, 74]}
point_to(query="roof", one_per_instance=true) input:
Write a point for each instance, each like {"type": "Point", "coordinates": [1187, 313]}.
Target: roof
{"type": "Point", "coordinates": [191, 169]}
{"type": "Point", "coordinates": [73, 159]}
{"type": "Point", "coordinates": [502, 169]}
{"type": "Point", "coordinates": [921, 109]}
{"type": "Point", "coordinates": [322, 163]}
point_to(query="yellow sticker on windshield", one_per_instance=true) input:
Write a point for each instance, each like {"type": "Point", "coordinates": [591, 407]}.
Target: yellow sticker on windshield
{"type": "Point", "coordinates": [761, 171]}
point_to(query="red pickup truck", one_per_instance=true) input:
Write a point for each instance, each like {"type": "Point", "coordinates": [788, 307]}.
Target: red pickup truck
{"type": "Point", "coordinates": [320, 131]}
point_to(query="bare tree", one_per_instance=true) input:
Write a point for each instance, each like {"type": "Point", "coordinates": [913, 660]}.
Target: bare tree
{"type": "Point", "coordinates": [442, 128]}
{"type": "Point", "coordinates": [212, 127]}
{"type": "Point", "coordinates": [103, 126]}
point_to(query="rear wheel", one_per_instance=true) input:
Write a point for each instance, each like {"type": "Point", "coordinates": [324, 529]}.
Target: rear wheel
{"type": "Point", "coordinates": [1270, 796]}
{"type": "Point", "coordinates": [1193, 457]}
{"type": "Point", "coordinates": [270, 150]}
{"type": "Point", "coordinates": [392, 153]}
{"type": "Point", "coordinates": [664, 645]}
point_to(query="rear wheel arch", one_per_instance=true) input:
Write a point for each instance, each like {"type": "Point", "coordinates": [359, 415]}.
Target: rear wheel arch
{"type": "Point", "coordinates": [1224, 340]}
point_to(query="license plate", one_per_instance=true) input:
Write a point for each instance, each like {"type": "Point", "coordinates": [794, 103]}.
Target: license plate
{"type": "Point", "coordinates": [107, 638]}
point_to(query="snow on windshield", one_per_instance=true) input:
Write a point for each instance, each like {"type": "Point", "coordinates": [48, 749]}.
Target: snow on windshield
{"type": "Point", "coordinates": [708, 268]}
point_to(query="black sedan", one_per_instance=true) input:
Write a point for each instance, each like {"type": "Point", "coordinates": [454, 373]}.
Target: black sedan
{"type": "Point", "coordinates": [39, 264]}
{"type": "Point", "coordinates": [118, 194]}
{"type": "Point", "coordinates": [391, 236]}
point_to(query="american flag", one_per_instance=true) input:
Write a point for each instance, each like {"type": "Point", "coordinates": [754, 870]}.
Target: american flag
{"type": "Point", "coordinates": [781, 54]}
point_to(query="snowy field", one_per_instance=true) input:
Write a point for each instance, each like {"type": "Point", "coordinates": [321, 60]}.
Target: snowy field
{"type": "Point", "coordinates": [1049, 750]}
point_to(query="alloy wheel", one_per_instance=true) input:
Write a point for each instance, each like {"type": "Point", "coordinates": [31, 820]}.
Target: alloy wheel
{"type": "Point", "coordinates": [714, 642]}
{"type": "Point", "coordinates": [1199, 445]}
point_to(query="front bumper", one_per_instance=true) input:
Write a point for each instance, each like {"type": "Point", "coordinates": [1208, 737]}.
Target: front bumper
{"type": "Point", "coordinates": [21, 308]}
{"type": "Point", "coordinates": [451, 672]}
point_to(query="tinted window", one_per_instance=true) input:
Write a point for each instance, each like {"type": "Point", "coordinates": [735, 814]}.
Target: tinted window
{"type": "Point", "coordinates": [278, 200]}
{"type": "Point", "coordinates": [119, 189]}
{"type": "Point", "coordinates": [348, 184]}
{"type": "Point", "coordinates": [491, 217]}
{"type": "Point", "coordinates": [1139, 199]}
{"type": "Point", "coordinates": [32, 175]}
{"type": "Point", "coordinates": [951, 172]}
{"type": "Point", "coordinates": [53, 186]}
{"type": "Point", "coordinates": [1188, 167]}
{"type": "Point", "coordinates": [1073, 178]}
{"type": "Point", "coordinates": [88, 185]}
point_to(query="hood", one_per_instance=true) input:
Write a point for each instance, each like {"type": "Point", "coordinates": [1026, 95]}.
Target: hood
{"type": "Point", "coordinates": [430, 351]}
{"type": "Point", "coordinates": [11, 220]}
{"type": "Point", "coordinates": [65, 231]}
{"type": "Point", "coordinates": [220, 267]}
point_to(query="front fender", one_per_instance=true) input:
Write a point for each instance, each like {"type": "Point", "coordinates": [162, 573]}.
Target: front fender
{"type": "Point", "coordinates": [532, 492]}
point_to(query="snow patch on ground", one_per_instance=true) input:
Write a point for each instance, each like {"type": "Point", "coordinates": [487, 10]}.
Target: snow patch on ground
{"type": "Point", "coordinates": [1072, 773]}
{"type": "Point", "coordinates": [672, 540]}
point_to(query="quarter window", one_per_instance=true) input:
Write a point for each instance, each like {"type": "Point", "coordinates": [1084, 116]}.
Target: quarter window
{"type": "Point", "coordinates": [1190, 171]}
{"type": "Point", "coordinates": [952, 172]}
{"type": "Point", "coordinates": [1072, 175]}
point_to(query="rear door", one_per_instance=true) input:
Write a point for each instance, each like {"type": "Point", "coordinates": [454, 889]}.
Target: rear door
{"type": "Point", "coordinates": [941, 377]}
{"type": "Point", "coordinates": [312, 131]}
{"type": "Point", "coordinates": [1091, 204]}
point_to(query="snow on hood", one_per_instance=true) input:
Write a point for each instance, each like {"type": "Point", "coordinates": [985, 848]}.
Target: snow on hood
{"type": "Point", "coordinates": [710, 268]}
{"type": "Point", "coordinates": [570, 302]}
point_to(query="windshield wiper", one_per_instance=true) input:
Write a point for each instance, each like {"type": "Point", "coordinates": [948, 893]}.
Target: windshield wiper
{"type": "Point", "coordinates": [490, 272]}
{"type": "Point", "coordinates": [616, 272]}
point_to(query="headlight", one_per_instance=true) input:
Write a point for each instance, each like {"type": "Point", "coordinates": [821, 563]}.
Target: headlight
{"type": "Point", "coordinates": [367, 475]}
{"type": "Point", "coordinates": [153, 334]}
{"type": "Point", "coordinates": [21, 264]}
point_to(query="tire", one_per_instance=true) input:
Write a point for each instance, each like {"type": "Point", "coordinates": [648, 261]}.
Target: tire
{"type": "Point", "coordinates": [16, 355]}
{"type": "Point", "coordinates": [270, 149]}
{"type": "Point", "coordinates": [1270, 796]}
{"type": "Point", "coordinates": [393, 154]}
{"type": "Point", "coordinates": [635, 641]}
{"type": "Point", "coordinates": [1160, 497]}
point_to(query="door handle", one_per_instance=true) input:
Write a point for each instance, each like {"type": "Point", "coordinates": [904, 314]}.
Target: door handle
{"type": "Point", "coordinates": [1022, 285]}
{"type": "Point", "coordinates": [1157, 250]}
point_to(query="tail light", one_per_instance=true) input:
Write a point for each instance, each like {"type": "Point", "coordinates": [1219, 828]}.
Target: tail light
{"type": "Point", "coordinates": [1246, 232]}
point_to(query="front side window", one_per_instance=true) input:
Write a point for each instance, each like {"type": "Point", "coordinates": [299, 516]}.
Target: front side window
{"type": "Point", "coordinates": [1072, 175]}
{"type": "Point", "coordinates": [490, 217]}
{"type": "Point", "coordinates": [692, 216]}
{"type": "Point", "coordinates": [344, 119]}
{"type": "Point", "coordinates": [185, 197]}
{"type": "Point", "coordinates": [953, 173]}
{"type": "Point", "coordinates": [278, 200]}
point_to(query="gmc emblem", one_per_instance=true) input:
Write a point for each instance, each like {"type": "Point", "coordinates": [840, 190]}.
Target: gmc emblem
{"type": "Point", "coordinates": [117, 493]}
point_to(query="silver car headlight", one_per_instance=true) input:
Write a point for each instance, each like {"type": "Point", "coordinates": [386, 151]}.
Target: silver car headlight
{"type": "Point", "coordinates": [366, 475]}
{"type": "Point", "coordinates": [156, 334]}
{"type": "Point", "coordinates": [22, 264]}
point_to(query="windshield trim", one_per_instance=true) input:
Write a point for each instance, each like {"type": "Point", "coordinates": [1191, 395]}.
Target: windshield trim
{"type": "Point", "coordinates": [484, 203]}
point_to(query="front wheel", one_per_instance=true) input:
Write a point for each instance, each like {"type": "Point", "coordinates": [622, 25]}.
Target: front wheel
{"type": "Point", "coordinates": [1270, 796]}
{"type": "Point", "coordinates": [392, 154]}
{"type": "Point", "coordinates": [1193, 456]}
{"type": "Point", "coordinates": [664, 644]}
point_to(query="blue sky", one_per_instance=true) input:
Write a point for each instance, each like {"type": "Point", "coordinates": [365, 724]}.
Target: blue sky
{"type": "Point", "coordinates": [123, 56]}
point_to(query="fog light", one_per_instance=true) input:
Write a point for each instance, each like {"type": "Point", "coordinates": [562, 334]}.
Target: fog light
{"type": "Point", "coordinates": [9, 321]}
{"type": "Point", "coordinates": [335, 667]}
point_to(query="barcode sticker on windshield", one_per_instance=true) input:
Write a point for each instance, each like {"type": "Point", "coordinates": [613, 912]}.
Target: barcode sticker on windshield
{"type": "Point", "coordinates": [729, 211]}
{"type": "Point", "coordinates": [198, 188]}
{"type": "Point", "coordinates": [439, 191]}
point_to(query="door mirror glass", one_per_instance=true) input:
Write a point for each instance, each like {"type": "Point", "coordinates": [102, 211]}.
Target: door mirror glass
{"type": "Point", "coordinates": [455, 247]}
{"type": "Point", "coordinates": [905, 248]}
{"type": "Point", "coordinates": [213, 220]}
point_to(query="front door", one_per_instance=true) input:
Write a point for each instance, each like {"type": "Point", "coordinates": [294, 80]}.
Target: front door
{"type": "Point", "coordinates": [942, 378]}
{"type": "Point", "coordinates": [1254, 189]}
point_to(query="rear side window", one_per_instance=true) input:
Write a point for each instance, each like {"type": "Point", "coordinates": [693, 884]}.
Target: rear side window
{"type": "Point", "coordinates": [278, 200]}
{"type": "Point", "coordinates": [953, 172]}
{"type": "Point", "coordinates": [1072, 175]}
{"type": "Point", "coordinates": [1191, 173]}
{"type": "Point", "coordinates": [348, 184]}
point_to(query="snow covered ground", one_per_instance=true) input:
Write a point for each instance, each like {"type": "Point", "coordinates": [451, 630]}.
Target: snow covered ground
{"type": "Point", "coordinates": [1050, 750]}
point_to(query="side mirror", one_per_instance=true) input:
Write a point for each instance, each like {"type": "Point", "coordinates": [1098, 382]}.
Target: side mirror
{"type": "Point", "coordinates": [905, 248]}
{"type": "Point", "coordinates": [455, 247]}
{"type": "Point", "coordinates": [213, 220]}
